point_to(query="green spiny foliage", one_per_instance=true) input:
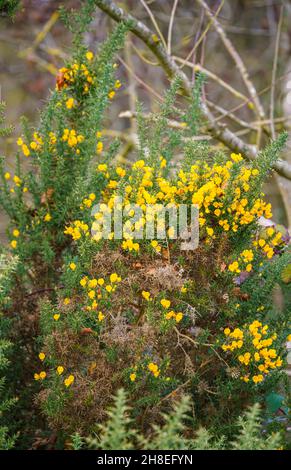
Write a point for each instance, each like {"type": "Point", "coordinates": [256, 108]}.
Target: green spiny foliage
{"type": "Point", "coordinates": [9, 7]}
{"type": "Point", "coordinates": [118, 432]}
{"type": "Point", "coordinates": [58, 176]}
{"type": "Point", "coordinates": [267, 158]}
{"type": "Point", "coordinates": [192, 116]}
{"type": "Point", "coordinates": [4, 130]}
{"type": "Point", "coordinates": [77, 441]}
{"type": "Point", "coordinates": [250, 433]}
{"type": "Point", "coordinates": [170, 435]}
{"type": "Point", "coordinates": [7, 266]}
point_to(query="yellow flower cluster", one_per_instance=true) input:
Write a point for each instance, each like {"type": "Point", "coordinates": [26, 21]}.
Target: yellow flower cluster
{"type": "Point", "coordinates": [222, 200]}
{"type": "Point", "coordinates": [18, 182]}
{"type": "Point", "coordinates": [14, 242]}
{"type": "Point", "coordinates": [41, 356]}
{"type": "Point", "coordinates": [87, 202]}
{"type": "Point", "coordinates": [72, 138]}
{"type": "Point", "coordinates": [112, 93]}
{"type": "Point", "coordinates": [130, 245]}
{"type": "Point", "coordinates": [80, 73]}
{"type": "Point", "coordinates": [236, 337]}
{"type": "Point", "coordinates": [136, 191]}
{"type": "Point", "coordinates": [24, 147]}
{"type": "Point", "coordinates": [264, 245]}
{"type": "Point", "coordinates": [53, 138]}
{"type": "Point", "coordinates": [59, 370]}
{"type": "Point", "coordinates": [177, 316]}
{"type": "Point", "coordinates": [98, 289]}
{"type": "Point", "coordinates": [103, 168]}
{"type": "Point", "coordinates": [268, 241]}
{"type": "Point", "coordinates": [166, 305]}
{"type": "Point", "coordinates": [77, 230]}
{"type": "Point", "coordinates": [35, 144]}
{"type": "Point", "coordinates": [244, 262]}
{"type": "Point", "coordinates": [171, 314]}
{"type": "Point", "coordinates": [224, 205]}
{"type": "Point", "coordinates": [154, 369]}
{"type": "Point", "coordinates": [146, 369]}
{"type": "Point", "coordinates": [69, 380]}
{"type": "Point", "coordinates": [252, 350]}
{"type": "Point", "coordinates": [40, 376]}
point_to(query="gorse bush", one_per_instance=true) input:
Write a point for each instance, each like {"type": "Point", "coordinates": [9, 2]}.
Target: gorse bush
{"type": "Point", "coordinates": [99, 314]}
{"type": "Point", "coordinates": [7, 266]}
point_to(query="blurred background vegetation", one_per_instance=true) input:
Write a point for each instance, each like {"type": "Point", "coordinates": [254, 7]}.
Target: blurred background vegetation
{"type": "Point", "coordinates": [34, 43]}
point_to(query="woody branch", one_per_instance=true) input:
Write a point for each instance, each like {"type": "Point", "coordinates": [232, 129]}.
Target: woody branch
{"type": "Point", "coordinates": [217, 129]}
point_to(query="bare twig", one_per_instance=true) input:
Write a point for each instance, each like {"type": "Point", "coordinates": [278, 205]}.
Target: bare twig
{"type": "Point", "coordinates": [148, 116]}
{"type": "Point", "coordinates": [197, 343]}
{"type": "Point", "coordinates": [274, 72]}
{"type": "Point", "coordinates": [218, 130]}
{"type": "Point", "coordinates": [228, 114]}
{"type": "Point", "coordinates": [154, 23]}
{"type": "Point", "coordinates": [138, 79]}
{"type": "Point", "coordinates": [171, 23]}
{"type": "Point", "coordinates": [198, 42]}
{"type": "Point", "coordinates": [214, 77]}
{"type": "Point", "coordinates": [131, 92]}
{"type": "Point", "coordinates": [236, 57]}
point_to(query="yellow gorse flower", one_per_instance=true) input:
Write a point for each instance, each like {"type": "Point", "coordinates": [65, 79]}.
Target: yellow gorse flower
{"type": "Point", "coordinates": [251, 348]}
{"type": "Point", "coordinates": [70, 103]}
{"type": "Point", "coordinates": [69, 381]}
{"type": "Point", "coordinates": [202, 184]}
{"type": "Point", "coordinates": [165, 303]}
{"type": "Point", "coordinates": [41, 356]}
{"type": "Point", "coordinates": [146, 295]}
{"type": "Point", "coordinates": [60, 370]}
{"type": "Point", "coordinates": [154, 369]}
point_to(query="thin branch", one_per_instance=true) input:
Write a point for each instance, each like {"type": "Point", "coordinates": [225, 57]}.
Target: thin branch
{"type": "Point", "coordinates": [197, 343]}
{"type": "Point", "coordinates": [148, 116]}
{"type": "Point", "coordinates": [141, 55]}
{"type": "Point", "coordinates": [236, 57]}
{"type": "Point", "coordinates": [218, 130]}
{"type": "Point", "coordinates": [131, 92]}
{"type": "Point", "coordinates": [171, 23]}
{"type": "Point", "coordinates": [225, 113]}
{"type": "Point", "coordinates": [274, 72]}
{"type": "Point", "coordinates": [139, 80]}
{"type": "Point", "coordinates": [197, 43]}
{"type": "Point", "coordinates": [154, 23]}
{"type": "Point", "coordinates": [214, 77]}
